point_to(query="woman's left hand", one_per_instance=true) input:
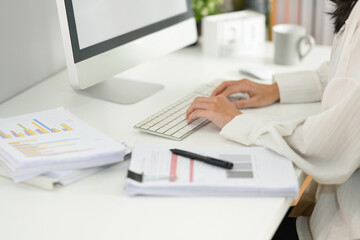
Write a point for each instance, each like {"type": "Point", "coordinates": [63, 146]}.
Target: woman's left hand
{"type": "Point", "coordinates": [217, 109]}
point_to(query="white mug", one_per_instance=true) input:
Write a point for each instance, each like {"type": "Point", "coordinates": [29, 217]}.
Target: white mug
{"type": "Point", "coordinates": [289, 41]}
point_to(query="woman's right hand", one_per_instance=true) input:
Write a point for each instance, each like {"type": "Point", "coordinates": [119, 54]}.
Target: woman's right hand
{"type": "Point", "coordinates": [260, 95]}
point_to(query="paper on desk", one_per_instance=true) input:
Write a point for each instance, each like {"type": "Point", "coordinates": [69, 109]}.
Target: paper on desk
{"type": "Point", "coordinates": [53, 140]}
{"type": "Point", "coordinates": [51, 180]}
{"type": "Point", "coordinates": [64, 178]}
{"type": "Point", "coordinates": [256, 172]}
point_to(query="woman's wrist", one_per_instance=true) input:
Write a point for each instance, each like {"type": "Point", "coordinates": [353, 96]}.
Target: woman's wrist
{"type": "Point", "coordinates": [275, 92]}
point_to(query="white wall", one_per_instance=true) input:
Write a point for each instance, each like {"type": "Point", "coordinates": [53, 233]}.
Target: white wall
{"type": "Point", "coordinates": [30, 44]}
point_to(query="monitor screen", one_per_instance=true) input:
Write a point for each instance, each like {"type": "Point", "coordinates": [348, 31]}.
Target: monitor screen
{"type": "Point", "coordinates": [92, 28]}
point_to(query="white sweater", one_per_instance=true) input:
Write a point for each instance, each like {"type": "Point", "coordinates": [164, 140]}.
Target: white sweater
{"type": "Point", "coordinates": [325, 146]}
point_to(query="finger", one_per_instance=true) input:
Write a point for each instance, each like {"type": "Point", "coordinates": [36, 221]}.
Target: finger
{"type": "Point", "coordinates": [198, 114]}
{"type": "Point", "coordinates": [196, 106]}
{"type": "Point", "coordinates": [221, 88]}
{"type": "Point", "coordinates": [231, 90]}
{"type": "Point", "coordinates": [242, 86]}
{"type": "Point", "coordinates": [198, 101]}
{"type": "Point", "coordinates": [245, 103]}
{"type": "Point", "coordinates": [202, 99]}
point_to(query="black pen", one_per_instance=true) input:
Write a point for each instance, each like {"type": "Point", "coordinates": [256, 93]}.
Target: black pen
{"type": "Point", "coordinates": [205, 159]}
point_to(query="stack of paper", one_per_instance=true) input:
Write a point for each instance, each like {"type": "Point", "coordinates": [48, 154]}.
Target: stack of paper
{"type": "Point", "coordinates": [256, 172]}
{"type": "Point", "coordinates": [51, 180]}
{"type": "Point", "coordinates": [53, 140]}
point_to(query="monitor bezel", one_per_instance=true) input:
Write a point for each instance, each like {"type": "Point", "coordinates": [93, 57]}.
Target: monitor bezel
{"type": "Point", "coordinates": [99, 48]}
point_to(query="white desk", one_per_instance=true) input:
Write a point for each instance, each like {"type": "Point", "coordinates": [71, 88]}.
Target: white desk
{"type": "Point", "coordinates": [96, 208]}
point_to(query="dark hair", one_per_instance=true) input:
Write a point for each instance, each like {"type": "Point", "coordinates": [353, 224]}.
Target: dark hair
{"type": "Point", "coordinates": [341, 13]}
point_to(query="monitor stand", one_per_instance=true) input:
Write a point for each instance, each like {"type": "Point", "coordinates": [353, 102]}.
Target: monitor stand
{"type": "Point", "coordinates": [121, 91]}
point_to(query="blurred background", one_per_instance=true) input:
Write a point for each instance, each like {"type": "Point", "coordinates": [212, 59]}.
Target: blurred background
{"type": "Point", "coordinates": [311, 14]}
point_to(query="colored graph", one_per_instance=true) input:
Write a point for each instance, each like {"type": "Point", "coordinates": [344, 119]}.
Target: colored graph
{"type": "Point", "coordinates": [37, 148]}
{"type": "Point", "coordinates": [37, 127]}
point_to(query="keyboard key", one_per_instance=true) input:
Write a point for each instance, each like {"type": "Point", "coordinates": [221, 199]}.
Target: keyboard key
{"type": "Point", "coordinates": [139, 124]}
{"type": "Point", "coordinates": [187, 128]}
{"type": "Point", "coordinates": [171, 126]}
{"type": "Point", "coordinates": [147, 126]}
{"type": "Point", "coordinates": [182, 124]}
{"type": "Point", "coordinates": [162, 130]}
{"type": "Point", "coordinates": [171, 131]}
{"type": "Point", "coordinates": [178, 134]}
{"type": "Point", "coordinates": [155, 127]}
{"type": "Point", "coordinates": [198, 121]}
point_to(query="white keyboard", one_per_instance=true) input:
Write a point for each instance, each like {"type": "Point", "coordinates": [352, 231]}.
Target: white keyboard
{"type": "Point", "coordinates": [171, 121]}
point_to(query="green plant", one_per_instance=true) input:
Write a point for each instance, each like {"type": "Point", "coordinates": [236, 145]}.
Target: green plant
{"type": "Point", "coordinates": [203, 8]}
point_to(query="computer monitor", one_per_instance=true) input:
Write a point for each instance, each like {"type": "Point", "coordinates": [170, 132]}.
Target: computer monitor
{"type": "Point", "coordinates": [103, 38]}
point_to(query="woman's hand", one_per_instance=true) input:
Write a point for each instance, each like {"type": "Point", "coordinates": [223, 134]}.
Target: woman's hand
{"type": "Point", "coordinates": [260, 95]}
{"type": "Point", "coordinates": [220, 110]}
{"type": "Point", "coordinates": [217, 109]}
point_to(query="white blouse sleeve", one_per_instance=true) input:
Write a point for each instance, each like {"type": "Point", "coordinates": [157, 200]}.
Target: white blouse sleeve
{"type": "Point", "coordinates": [303, 86]}
{"type": "Point", "coordinates": [325, 146]}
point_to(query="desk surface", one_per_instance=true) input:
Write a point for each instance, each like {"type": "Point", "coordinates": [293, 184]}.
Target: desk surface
{"type": "Point", "coordinates": [96, 207]}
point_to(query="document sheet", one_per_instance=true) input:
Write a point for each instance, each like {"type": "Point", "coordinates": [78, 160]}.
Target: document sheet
{"type": "Point", "coordinates": [53, 140]}
{"type": "Point", "coordinates": [256, 172]}
{"type": "Point", "coordinates": [52, 180]}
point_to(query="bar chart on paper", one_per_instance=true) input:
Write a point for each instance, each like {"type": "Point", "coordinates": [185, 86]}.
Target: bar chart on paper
{"type": "Point", "coordinates": [32, 128]}
{"type": "Point", "coordinates": [38, 147]}
{"type": "Point", "coordinates": [45, 134]}
{"type": "Point", "coordinates": [53, 140]}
